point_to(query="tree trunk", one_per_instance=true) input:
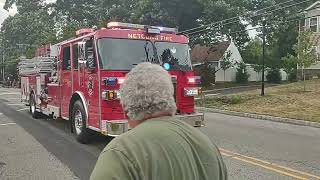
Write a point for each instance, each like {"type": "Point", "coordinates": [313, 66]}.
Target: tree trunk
{"type": "Point", "coordinates": [304, 79]}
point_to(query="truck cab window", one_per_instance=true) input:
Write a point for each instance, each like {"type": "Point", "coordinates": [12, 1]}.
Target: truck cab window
{"type": "Point", "coordinates": [75, 54]}
{"type": "Point", "coordinates": [66, 59]}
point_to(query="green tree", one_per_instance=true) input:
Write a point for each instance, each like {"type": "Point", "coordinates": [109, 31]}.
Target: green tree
{"type": "Point", "coordinates": [289, 65]}
{"type": "Point", "coordinates": [306, 54]}
{"type": "Point", "coordinates": [252, 54]}
{"type": "Point", "coordinates": [274, 75]}
{"type": "Point", "coordinates": [226, 63]}
{"type": "Point", "coordinates": [242, 75]}
{"type": "Point", "coordinates": [253, 51]}
{"type": "Point", "coordinates": [32, 26]}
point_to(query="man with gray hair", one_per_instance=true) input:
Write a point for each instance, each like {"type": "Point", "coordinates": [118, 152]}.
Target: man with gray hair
{"type": "Point", "coordinates": [159, 147]}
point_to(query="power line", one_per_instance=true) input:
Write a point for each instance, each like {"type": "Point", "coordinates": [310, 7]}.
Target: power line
{"type": "Point", "coordinates": [252, 16]}
{"type": "Point", "coordinates": [182, 32]}
{"type": "Point", "coordinates": [261, 14]}
{"type": "Point", "coordinates": [283, 22]}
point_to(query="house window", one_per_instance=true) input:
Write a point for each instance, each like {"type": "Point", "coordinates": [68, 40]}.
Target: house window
{"type": "Point", "coordinates": [316, 50]}
{"type": "Point", "coordinates": [314, 24]}
{"type": "Point", "coordinates": [307, 23]}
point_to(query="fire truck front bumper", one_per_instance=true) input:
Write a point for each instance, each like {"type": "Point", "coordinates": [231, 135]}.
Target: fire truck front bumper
{"type": "Point", "coordinates": [114, 128]}
{"type": "Point", "coordinates": [196, 119]}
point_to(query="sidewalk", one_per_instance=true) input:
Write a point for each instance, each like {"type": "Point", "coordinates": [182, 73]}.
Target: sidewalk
{"type": "Point", "coordinates": [22, 157]}
{"type": "Point", "coordinates": [261, 116]}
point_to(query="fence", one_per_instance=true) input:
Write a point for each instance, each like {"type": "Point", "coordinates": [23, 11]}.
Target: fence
{"type": "Point", "coordinates": [230, 75]}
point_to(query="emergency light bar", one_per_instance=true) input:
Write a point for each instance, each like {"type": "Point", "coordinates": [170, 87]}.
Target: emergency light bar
{"type": "Point", "coordinates": [148, 29]}
{"type": "Point", "coordinates": [84, 31]}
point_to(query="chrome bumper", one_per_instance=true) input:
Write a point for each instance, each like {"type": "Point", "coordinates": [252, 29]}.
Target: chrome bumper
{"type": "Point", "coordinates": [196, 120]}
{"type": "Point", "coordinates": [114, 128]}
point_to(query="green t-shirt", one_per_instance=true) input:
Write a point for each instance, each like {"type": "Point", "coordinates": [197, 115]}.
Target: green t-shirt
{"type": "Point", "coordinates": [161, 149]}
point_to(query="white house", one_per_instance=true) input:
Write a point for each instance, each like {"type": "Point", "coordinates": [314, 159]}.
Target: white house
{"type": "Point", "coordinates": [214, 54]}
{"type": "Point", "coordinates": [312, 22]}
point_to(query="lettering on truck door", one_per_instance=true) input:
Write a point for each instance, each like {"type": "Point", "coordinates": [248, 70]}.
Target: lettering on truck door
{"type": "Point", "coordinates": [91, 85]}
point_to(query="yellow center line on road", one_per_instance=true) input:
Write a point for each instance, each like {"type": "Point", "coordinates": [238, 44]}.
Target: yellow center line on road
{"type": "Point", "coordinates": [269, 166]}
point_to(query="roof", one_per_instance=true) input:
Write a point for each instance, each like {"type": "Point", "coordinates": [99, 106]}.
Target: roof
{"type": "Point", "coordinates": [213, 52]}
{"type": "Point", "coordinates": [312, 6]}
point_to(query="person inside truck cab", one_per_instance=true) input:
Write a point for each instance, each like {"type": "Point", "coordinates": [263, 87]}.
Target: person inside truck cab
{"type": "Point", "coordinates": [159, 147]}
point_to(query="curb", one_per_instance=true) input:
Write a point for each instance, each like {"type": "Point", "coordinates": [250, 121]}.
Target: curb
{"type": "Point", "coordinates": [261, 117]}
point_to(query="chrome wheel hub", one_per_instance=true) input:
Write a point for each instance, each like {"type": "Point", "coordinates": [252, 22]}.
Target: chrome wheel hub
{"type": "Point", "coordinates": [33, 108]}
{"type": "Point", "coordinates": [78, 121]}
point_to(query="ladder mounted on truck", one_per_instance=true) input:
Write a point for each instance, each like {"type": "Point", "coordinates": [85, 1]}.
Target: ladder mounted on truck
{"type": "Point", "coordinates": [36, 65]}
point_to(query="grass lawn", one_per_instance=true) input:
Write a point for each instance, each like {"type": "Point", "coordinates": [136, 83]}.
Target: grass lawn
{"type": "Point", "coordinates": [288, 100]}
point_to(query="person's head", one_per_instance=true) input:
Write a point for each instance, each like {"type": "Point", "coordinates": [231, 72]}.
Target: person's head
{"type": "Point", "coordinates": [147, 93]}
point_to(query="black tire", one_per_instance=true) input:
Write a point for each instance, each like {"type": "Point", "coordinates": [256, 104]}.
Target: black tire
{"type": "Point", "coordinates": [32, 107]}
{"type": "Point", "coordinates": [82, 133]}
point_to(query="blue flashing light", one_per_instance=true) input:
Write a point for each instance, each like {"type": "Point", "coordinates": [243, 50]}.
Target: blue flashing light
{"type": "Point", "coordinates": [166, 66]}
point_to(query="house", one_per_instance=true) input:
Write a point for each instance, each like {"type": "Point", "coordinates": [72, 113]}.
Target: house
{"type": "Point", "coordinates": [312, 22]}
{"type": "Point", "coordinates": [214, 54]}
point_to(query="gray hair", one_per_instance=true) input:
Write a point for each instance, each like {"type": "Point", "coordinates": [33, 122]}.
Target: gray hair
{"type": "Point", "coordinates": [148, 89]}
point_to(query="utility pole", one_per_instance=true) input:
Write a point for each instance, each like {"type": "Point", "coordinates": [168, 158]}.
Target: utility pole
{"type": "Point", "coordinates": [263, 53]}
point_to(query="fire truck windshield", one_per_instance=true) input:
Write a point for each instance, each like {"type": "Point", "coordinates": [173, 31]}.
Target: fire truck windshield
{"type": "Point", "coordinates": [123, 54]}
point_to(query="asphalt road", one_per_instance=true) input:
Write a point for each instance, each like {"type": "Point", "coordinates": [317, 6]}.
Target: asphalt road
{"type": "Point", "coordinates": [252, 149]}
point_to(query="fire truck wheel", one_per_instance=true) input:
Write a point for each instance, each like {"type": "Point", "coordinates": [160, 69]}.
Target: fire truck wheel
{"type": "Point", "coordinates": [35, 114]}
{"type": "Point", "coordinates": [82, 133]}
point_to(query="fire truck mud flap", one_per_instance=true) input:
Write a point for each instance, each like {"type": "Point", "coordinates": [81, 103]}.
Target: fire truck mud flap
{"type": "Point", "coordinates": [196, 120]}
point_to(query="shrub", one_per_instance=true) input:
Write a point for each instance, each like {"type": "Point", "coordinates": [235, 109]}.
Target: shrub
{"type": "Point", "coordinates": [235, 99]}
{"type": "Point", "coordinates": [292, 77]}
{"type": "Point", "coordinates": [242, 74]}
{"type": "Point", "coordinates": [274, 76]}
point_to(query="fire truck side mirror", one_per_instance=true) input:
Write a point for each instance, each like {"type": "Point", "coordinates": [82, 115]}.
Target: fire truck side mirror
{"type": "Point", "coordinates": [86, 55]}
{"type": "Point", "coordinates": [82, 58]}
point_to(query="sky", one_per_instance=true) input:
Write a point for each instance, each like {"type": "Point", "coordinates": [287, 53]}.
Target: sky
{"type": "Point", "coordinates": [4, 14]}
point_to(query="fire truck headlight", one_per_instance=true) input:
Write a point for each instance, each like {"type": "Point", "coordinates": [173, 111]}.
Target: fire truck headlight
{"type": "Point", "coordinates": [191, 91]}
{"type": "Point", "coordinates": [105, 95]}
{"type": "Point", "coordinates": [118, 94]}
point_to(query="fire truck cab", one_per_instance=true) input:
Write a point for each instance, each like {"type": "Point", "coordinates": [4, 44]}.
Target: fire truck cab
{"type": "Point", "coordinates": [83, 84]}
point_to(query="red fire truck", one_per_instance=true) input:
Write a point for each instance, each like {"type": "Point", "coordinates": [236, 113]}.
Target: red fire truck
{"type": "Point", "coordinates": [79, 79]}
